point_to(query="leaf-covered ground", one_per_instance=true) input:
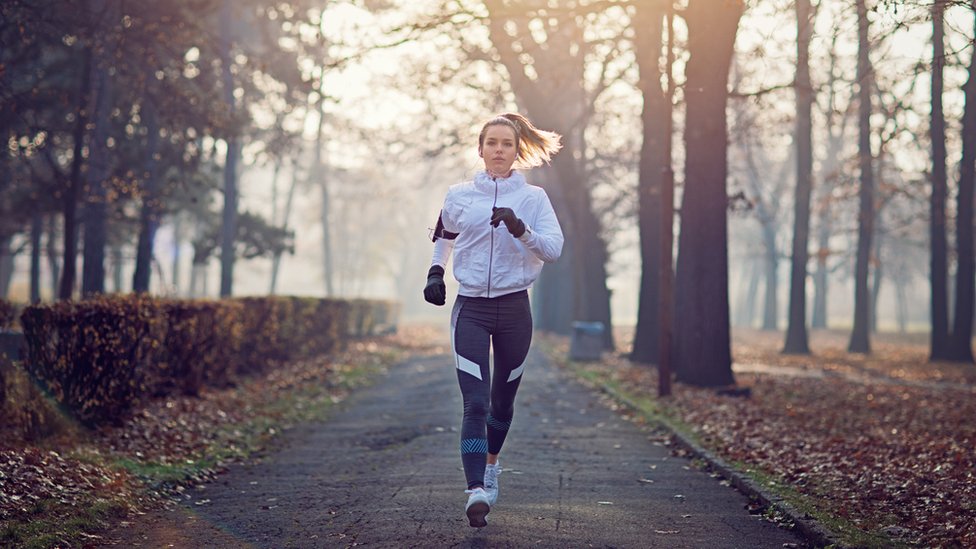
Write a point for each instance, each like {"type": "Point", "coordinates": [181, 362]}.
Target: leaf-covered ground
{"type": "Point", "coordinates": [886, 442]}
{"type": "Point", "coordinates": [63, 490]}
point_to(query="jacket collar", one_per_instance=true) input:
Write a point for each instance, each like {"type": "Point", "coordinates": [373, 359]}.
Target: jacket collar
{"type": "Point", "coordinates": [484, 182]}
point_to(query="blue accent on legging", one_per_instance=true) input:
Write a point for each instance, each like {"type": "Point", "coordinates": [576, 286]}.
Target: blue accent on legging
{"type": "Point", "coordinates": [474, 446]}
{"type": "Point", "coordinates": [495, 423]}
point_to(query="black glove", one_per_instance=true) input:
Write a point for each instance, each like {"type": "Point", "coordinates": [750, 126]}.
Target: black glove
{"type": "Point", "coordinates": [435, 290]}
{"type": "Point", "coordinates": [512, 223]}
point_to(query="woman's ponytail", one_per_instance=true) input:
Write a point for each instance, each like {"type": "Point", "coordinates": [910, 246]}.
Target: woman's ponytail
{"type": "Point", "coordinates": [535, 147]}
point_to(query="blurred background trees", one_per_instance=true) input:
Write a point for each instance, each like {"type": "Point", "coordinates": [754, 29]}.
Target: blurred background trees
{"type": "Point", "coordinates": [209, 147]}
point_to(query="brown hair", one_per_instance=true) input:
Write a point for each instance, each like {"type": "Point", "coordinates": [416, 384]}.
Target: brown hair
{"type": "Point", "coordinates": [535, 147]}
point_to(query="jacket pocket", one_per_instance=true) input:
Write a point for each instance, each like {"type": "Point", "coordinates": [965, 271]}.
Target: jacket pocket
{"type": "Point", "coordinates": [471, 269]}
{"type": "Point", "coordinates": [508, 271]}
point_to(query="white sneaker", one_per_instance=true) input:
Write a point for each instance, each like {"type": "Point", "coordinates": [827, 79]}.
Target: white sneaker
{"type": "Point", "coordinates": [491, 482]}
{"type": "Point", "coordinates": [477, 508]}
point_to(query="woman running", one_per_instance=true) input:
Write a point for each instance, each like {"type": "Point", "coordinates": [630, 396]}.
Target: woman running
{"type": "Point", "coordinates": [501, 230]}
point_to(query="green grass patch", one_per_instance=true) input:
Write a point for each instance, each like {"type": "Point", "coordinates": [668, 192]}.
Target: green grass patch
{"type": "Point", "coordinates": [849, 534]}
{"type": "Point", "coordinates": [53, 524]}
{"type": "Point", "coordinates": [164, 475]}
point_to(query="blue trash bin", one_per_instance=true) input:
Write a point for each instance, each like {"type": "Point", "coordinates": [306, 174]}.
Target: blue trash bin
{"type": "Point", "coordinates": [11, 344]}
{"type": "Point", "coordinates": [586, 343]}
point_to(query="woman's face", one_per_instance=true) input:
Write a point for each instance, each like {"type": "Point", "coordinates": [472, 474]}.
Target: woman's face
{"type": "Point", "coordinates": [499, 149]}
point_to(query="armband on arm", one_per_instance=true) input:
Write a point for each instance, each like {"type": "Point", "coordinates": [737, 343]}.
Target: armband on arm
{"type": "Point", "coordinates": [441, 232]}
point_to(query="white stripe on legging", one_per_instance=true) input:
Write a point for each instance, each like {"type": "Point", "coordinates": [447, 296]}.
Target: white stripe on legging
{"type": "Point", "coordinates": [516, 373]}
{"type": "Point", "coordinates": [462, 363]}
{"type": "Point", "coordinates": [468, 366]}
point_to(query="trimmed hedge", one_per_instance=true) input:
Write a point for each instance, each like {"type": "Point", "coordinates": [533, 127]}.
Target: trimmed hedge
{"type": "Point", "coordinates": [202, 344]}
{"type": "Point", "coordinates": [95, 357]}
{"type": "Point", "coordinates": [100, 357]}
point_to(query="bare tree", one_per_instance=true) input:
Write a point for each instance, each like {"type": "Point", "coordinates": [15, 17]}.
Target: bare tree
{"type": "Point", "coordinates": [319, 173]}
{"type": "Point", "coordinates": [766, 206]}
{"type": "Point", "coordinates": [150, 214]}
{"type": "Point", "coordinates": [99, 156]}
{"type": "Point", "coordinates": [232, 158]}
{"type": "Point", "coordinates": [796, 331]}
{"type": "Point", "coordinates": [702, 338]}
{"type": "Point", "coordinates": [960, 342]}
{"type": "Point", "coordinates": [860, 335]}
{"type": "Point", "coordinates": [655, 166]}
{"type": "Point", "coordinates": [74, 183]}
{"type": "Point", "coordinates": [938, 258]}
{"type": "Point", "coordinates": [830, 175]}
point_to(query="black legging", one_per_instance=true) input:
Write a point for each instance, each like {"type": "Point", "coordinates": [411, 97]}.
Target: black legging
{"type": "Point", "coordinates": [477, 323]}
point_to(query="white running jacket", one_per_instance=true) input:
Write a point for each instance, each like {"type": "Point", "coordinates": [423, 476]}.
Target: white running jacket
{"type": "Point", "coordinates": [489, 261]}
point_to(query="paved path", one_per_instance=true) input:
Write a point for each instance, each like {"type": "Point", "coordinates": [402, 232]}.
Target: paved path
{"type": "Point", "coordinates": [384, 472]}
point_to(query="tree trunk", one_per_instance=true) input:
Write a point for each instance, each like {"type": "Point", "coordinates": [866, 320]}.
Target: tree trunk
{"type": "Point", "coordinates": [96, 207]}
{"type": "Point", "coordinates": [328, 268]}
{"type": "Point", "coordinates": [770, 321]}
{"type": "Point", "coordinates": [194, 280]}
{"type": "Point", "coordinates": [960, 344]}
{"type": "Point", "coordinates": [228, 229]}
{"type": "Point", "coordinates": [117, 263]}
{"type": "Point", "coordinates": [938, 266]}
{"type": "Point", "coordinates": [590, 255]}
{"type": "Point", "coordinates": [177, 240]}
{"type": "Point", "coordinates": [6, 264]}
{"type": "Point", "coordinates": [901, 296]}
{"type": "Point", "coordinates": [587, 252]}
{"type": "Point", "coordinates": [767, 215]}
{"type": "Point", "coordinates": [702, 338]}
{"type": "Point", "coordinates": [52, 255]}
{"type": "Point", "coordinates": [665, 295]}
{"type": "Point", "coordinates": [99, 156]}
{"type": "Point", "coordinates": [551, 310]}
{"type": "Point", "coordinates": [747, 307]}
{"type": "Point", "coordinates": [37, 230]}
{"type": "Point", "coordinates": [831, 168]}
{"type": "Point", "coordinates": [327, 265]}
{"type": "Point", "coordinates": [275, 222]}
{"type": "Point", "coordinates": [820, 281]}
{"type": "Point", "coordinates": [860, 335]}
{"type": "Point", "coordinates": [654, 164]}
{"type": "Point", "coordinates": [318, 171]}
{"type": "Point", "coordinates": [198, 262]}
{"type": "Point", "coordinates": [286, 216]}
{"type": "Point", "coordinates": [877, 276]}
{"type": "Point", "coordinates": [70, 199]}
{"type": "Point", "coordinates": [149, 217]}
{"type": "Point", "coordinates": [796, 329]}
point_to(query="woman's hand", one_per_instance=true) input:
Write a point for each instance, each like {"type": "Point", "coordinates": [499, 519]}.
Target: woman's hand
{"type": "Point", "coordinates": [435, 291]}
{"type": "Point", "coordinates": [507, 216]}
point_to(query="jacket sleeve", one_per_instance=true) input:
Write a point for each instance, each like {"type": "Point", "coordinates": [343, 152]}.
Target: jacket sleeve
{"type": "Point", "coordinates": [444, 238]}
{"type": "Point", "coordinates": [545, 237]}
{"type": "Point", "coordinates": [442, 251]}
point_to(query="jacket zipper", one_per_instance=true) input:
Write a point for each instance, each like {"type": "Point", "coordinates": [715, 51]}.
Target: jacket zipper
{"type": "Point", "coordinates": [491, 238]}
